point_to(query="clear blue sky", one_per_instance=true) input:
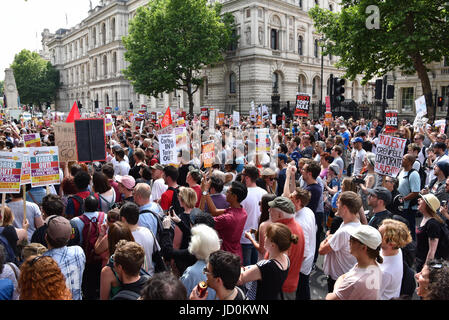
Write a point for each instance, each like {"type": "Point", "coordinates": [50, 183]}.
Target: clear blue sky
{"type": "Point", "coordinates": [22, 22]}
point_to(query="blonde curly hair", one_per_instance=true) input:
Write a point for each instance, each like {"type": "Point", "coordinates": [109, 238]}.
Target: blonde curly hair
{"type": "Point", "coordinates": [42, 279]}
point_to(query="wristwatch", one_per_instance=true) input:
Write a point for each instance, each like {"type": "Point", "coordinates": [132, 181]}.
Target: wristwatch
{"type": "Point", "coordinates": [205, 193]}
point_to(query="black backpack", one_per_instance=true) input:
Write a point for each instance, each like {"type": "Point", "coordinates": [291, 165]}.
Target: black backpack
{"type": "Point", "coordinates": [443, 243]}
{"type": "Point", "coordinates": [159, 219]}
{"type": "Point", "coordinates": [408, 284]}
{"type": "Point", "coordinates": [175, 201]}
{"type": "Point", "coordinates": [81, 203]}
{"type": "Point", "coordinates": [10, 255]}
{"type": "Point", "coordinates": [129, 294]}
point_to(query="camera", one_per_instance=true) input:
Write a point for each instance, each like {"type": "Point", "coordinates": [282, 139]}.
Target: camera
{"type": "Point", "coordinates": [443, 203]}
{"type": "Point", "coordinates": [358, 181]}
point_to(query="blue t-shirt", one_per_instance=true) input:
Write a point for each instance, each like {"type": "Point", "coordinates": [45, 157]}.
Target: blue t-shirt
{"type": "Point", "coordinates": [406, 187]}
{"type": "Point", "coordinates": [345, 136]}
{"type": "Point", "coordinates": [6, 289]}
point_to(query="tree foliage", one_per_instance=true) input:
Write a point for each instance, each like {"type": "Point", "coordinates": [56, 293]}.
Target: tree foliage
{"type": "Point", "coordinates": [411, 35]}
{"type": "Point", "coordinates": [169, 41]}
{"type": "Point", "coordinates": [36, 79]}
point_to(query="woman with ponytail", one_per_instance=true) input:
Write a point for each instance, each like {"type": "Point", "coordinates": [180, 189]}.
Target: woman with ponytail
{"type": "Point", "coordinates": [268, 276]}
{"type": "Point", "coordinates": [364, 280]}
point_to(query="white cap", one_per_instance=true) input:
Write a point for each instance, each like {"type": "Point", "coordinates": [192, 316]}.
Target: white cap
{"type": "Point", "coordinates": [368, 236]}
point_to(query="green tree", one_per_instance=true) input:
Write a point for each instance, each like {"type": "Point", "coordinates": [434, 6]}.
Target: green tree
{"type": "Point", "coordinates": [170, 41]}
{"type": "Point", "coordinates": [36, 79]}
{"type": "Point", "coordinates": [410, 35]}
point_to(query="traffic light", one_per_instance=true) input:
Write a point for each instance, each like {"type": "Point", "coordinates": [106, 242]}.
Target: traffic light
{"type": "Point", "coordinates": [96, 104]}
{"type": "Point", "coordinates": [339, 89]}
{"type": "Point", "coordinates": [378, 91]}
{"type": "Point", "coordinates": [440, 101]}
{"type": "Point", "coordinates": [80, 105]}
{"type": "Point", "coordinates": [390, 91]}
{"type": "Point", "coordinates": [131, 106]}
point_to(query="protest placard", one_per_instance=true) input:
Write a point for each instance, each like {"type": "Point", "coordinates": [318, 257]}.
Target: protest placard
{"type": "Point", "coordinates": [327, 118]}
{"type": "Point", "coordinates": [10, 171]}
{"type": "Point", "coordinates": [32, 140]}
{"type": "Point", "coordinates": [263, 143]}
{"type": "Point", "coordinates": [236, 118]}
{"type": "Point", "coordinates": [302, 105]}
{"type": "Point", "coordinates": [208, 153]}
{"type": "Point", "coordinates": [212, 120]}
{"type": "Point", "coordinates": [167, 148]}
{"type": "Point", "coordinates": [44, 166]}
{"type": "Point", "coordinates": [65, 140]}
{"type": "Point", "coordinates": [204, 115]}
{"type": "Point", "coordinates": [109, 126]}
{"type": "Point", "coordinates": [441, 124]}
{"type": "Point", "coordinates": [221, 117]}
{"type": "Point", "coordinates": [90, 140]}
{"type": "Point", "coordinates": [420, 105]}
{"type": "Point", "coordinates": [391, 121]}
{"type": "Point", "coordinates": [181, 137]}
{"type": "Point", "coordinates": [26, 167]}
{"type": "Point", "coordinates": [328, 104]}
{"type": "Point", "coordinates": [181, 122]}
{"type": "Point", "coordinates": [389, 153]}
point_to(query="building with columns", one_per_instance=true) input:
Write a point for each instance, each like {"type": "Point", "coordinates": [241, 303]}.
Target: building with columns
{"type": "Point", "coordinates": [278, 55]}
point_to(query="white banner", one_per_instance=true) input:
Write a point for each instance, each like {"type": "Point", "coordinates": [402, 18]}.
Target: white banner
{"type": "Point", "coordinates": [389, 153]}
{"type": "Point", "coordinates": [167, 149]}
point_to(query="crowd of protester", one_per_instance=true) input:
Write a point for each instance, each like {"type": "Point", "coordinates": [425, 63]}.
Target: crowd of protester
{"type": "Point", "coordinates": [251, 227]}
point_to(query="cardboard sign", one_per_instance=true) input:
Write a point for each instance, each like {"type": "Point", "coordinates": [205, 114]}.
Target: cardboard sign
{"type": "Point", "coordinates": [221, 118]}
{"type": "Point", "coordinates": [236, 119]}
{"type": "Point", "coordinates": [389, 153]}
{"type": "Point", "coordinates": [25, 177]}
{"type": "Point", "coordinates": [420, 105]}
{"type": "Point", "coordinates": [208, 153]}
{"type": "Point", "coordinates": [212, 120]}
{"type": "Point", "coordinates": [44, 166]}
{"type": "Point", "coordinates": [327, 118]}
{"type": "Point", "coordinates": [10, 172]}
{"type": "Point", "coordinates": [32, 140]}
{"type": "Point", "coordinates": [263, 143]}
{"type": "Point", "coordinates": [302, 105]}
{"type": "Point", "coordinates": [167, 149]}
{"type": "Point", "coordinates": [328, 104]}
{"type": "Point", "coordinates": [65, 140]}
{"type": "Point", "coordinates": [90, 140]}
{"type": "Point", "coordinates": [391, 121]}
{"type": "Point", "coordinates": [204, 115]}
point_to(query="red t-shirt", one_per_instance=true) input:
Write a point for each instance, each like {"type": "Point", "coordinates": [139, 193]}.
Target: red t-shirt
{"type": "Point", "coordinates": [229, 227]}
{"type": "Point", "coordinates": [166, 199]}
{"type": "Point", "coordinates": [295, 254]}
{"type": "Point", "coordinates": [199, 194]}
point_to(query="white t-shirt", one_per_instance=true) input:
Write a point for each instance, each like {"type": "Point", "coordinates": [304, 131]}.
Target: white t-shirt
{"type": "Point", "coordinates": [306, 219]}
{"type": "Point", "coordinates": [361, 284]}
{"type": "Point", "coordinates": [33, 212]}
{"type": "Point", "coordinates": [392, 272]}
{"type": "Point", "coordinates": [121, 168]}
{"type": "Point", "coordinates": [358, 156]}
{"type": "Point", "coordinates": [145, 238]}
{"type": "Point", "coordinates": [252, 208]}
{"type": "Point", "coordinates": [158, 188]}
{"type": "Point", "coordinates": [340, 260]}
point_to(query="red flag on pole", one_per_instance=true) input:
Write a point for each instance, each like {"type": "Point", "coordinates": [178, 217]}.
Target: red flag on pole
{"type": "Point", "coordinates": [166, 120]}
{"type": "Point", "coordinates": [74, 114]}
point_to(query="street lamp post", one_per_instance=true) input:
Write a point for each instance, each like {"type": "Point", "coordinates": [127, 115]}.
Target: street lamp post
{"type": "Point", "coordinates": [321, 96]}
{"type": "Point", "coordinates": [240, 91]}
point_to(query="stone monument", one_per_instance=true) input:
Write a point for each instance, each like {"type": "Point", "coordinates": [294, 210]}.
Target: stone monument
{"type": "Point", "coordinates": [10, 88]}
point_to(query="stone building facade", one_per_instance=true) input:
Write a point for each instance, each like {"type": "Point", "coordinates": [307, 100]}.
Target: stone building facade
{"type": "Point", "coordinates": [278, 55]}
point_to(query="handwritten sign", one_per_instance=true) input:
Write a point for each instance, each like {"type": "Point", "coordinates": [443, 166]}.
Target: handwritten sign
{"type": "Point", "coordinates": [167, 149]}
{"type": "Point", "coordinates": [10, 172]}
{"type": "Point", "coordinates": [208, 154]}
{"type": "Point", "coordinates": [65, 140]}
{"type": "Point", "coordinates": [389, 153]}
{"type": "Point", "coordinates": [26, 167]}
{"type": "Point", "coordinates": [32, 140]}
{"type": "Point", "coordinates": [44, 166]}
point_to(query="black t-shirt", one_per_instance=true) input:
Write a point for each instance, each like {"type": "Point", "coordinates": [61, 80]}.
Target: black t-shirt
{"type": "Point", "coordinates": [136, 287]}
{"type": "Point", "coordinates": [431, 230]}
{"type": "Point", "coordinates": [39, 235]}
{"type": "Point", "coordinates": [273, 277]}
{"type": "Point", "coordinates": [10, 233]}
{"type": "Point", "coordinates": [378, 217]}
{"type": "Point", "coordinates": [315, 195]}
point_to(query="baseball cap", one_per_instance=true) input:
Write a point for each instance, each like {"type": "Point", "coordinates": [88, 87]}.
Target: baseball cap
{"type": "Point", "coordinates": [58, 228]}
{"type": "Point", "coordinates": [432, 202]}
{"type": "Point", "coordinates": [381, 193]}
{"type": "Point", "coordinates": [367, 235]}
{"type": "Point", "coordinates": [157, 166]}
{"type": "Point", "coordinates": [335, 168]}
{"type": "Point", "coordinates": [128, 181]}
{"type": "Point", "coordinates": [358, 139]}
{"type": "Point", "coordinates": [444, 167]}
{"type": "Point", "coordinates": [282, 203]}
{"type": "Point", "coordinates": [282, 156]}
